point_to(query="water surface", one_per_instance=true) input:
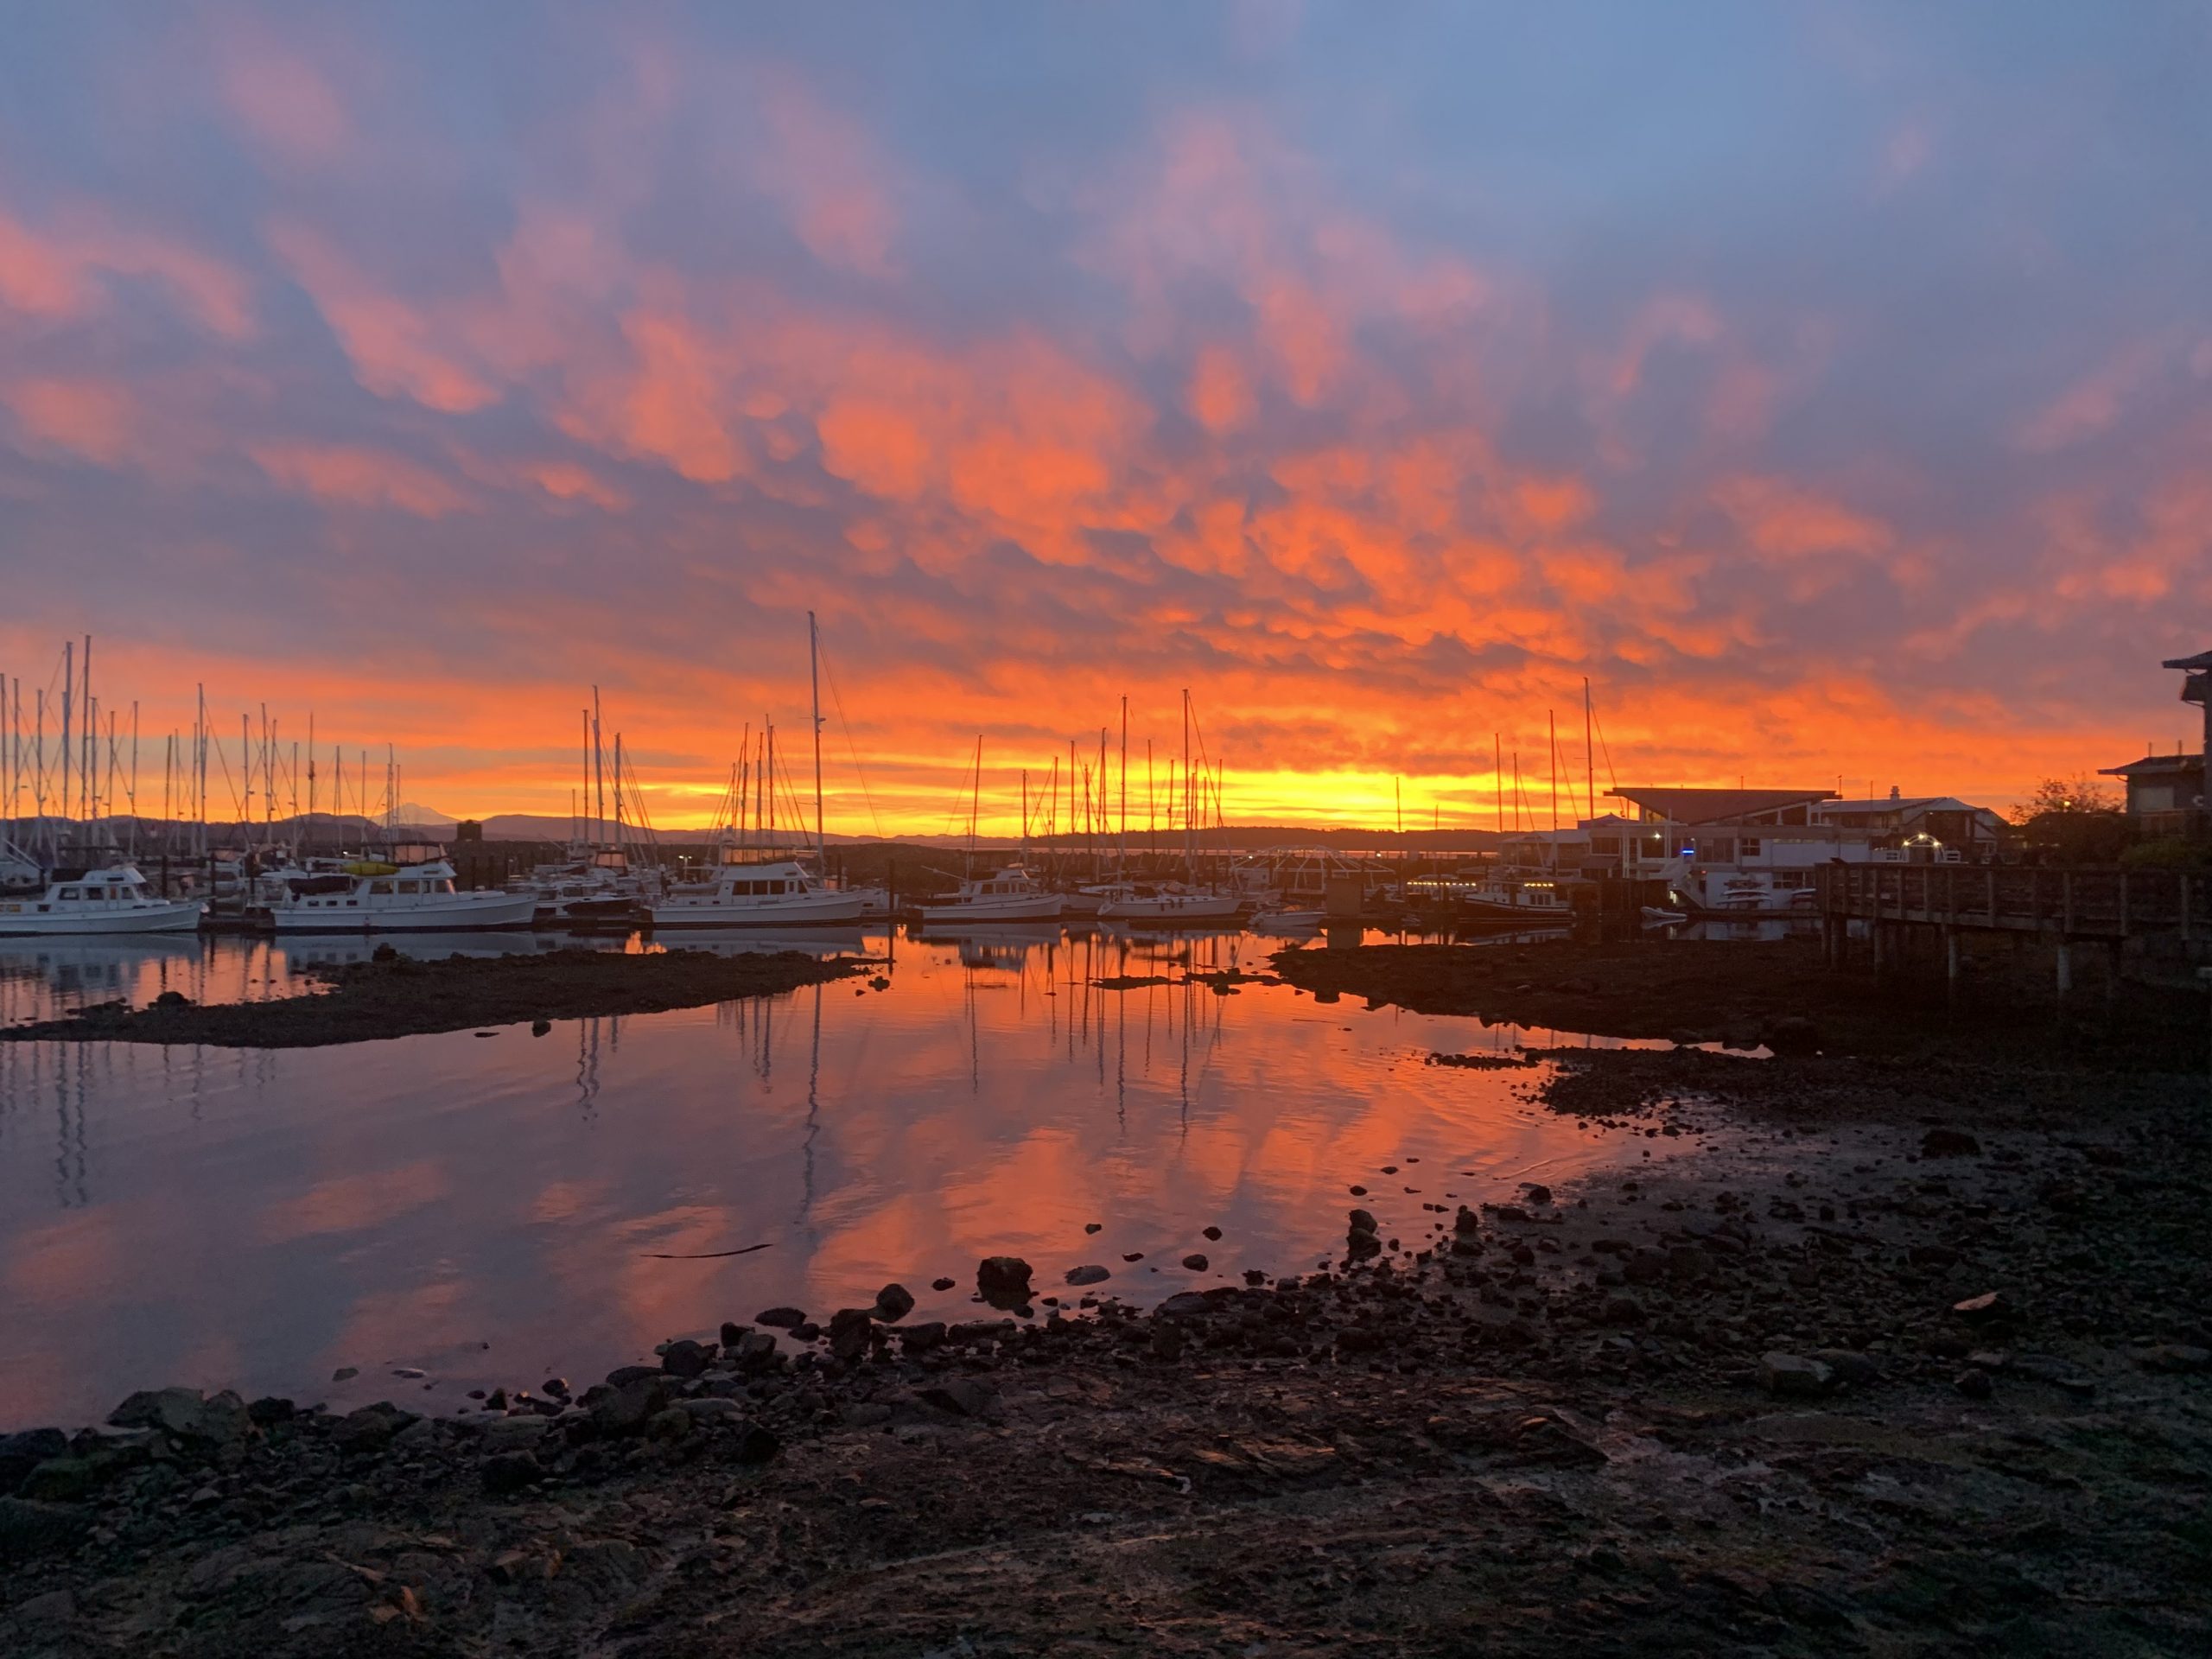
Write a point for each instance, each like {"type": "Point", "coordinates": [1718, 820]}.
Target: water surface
{"type": "Point", "coordinates": [502, 1209]}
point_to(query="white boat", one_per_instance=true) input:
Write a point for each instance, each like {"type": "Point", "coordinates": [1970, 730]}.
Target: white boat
{"type": "Point", "coordinates": [1287, 921]}
{"type": "Point", "coordinates": [1655, 917]}
{"type": "Point", "coordinates": [1011, 895]}
{"type": "Point", "coordinates": [111, 900]}
{"type": "Point", "coordinates": [771, 894]}
{"type": "Point", "coordinates": [375, 898]}
{"type": "Point", "coordinates": [1171, 905]}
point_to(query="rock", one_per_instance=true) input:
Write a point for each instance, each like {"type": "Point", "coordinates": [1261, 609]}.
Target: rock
{"type": "Point", "coordinates": [1932, 1255]}
{"type": "Point", "coordinates": [558, 1386]}
{"type": "Point", "coordinates": [851, 1331]}
{"type": "Point", "coordinates": [1092, 1274]}
{"type": "Point", "coordinates": [1196, 1262]}
{"type": "Point", "coordinates": [370, 1429]}
{"type": "Point", "coordinates": [1539, 1193]}
{"type": "Point", "coordinates": [1974, 1382]}
{"type": "Point", "coordinates": [215, 1419]}
{"type": "Point", "coordinates": [1857, 1369]}
{"type": "Point", "coordinates": [1623, 1310]}
{"type": "Point", "coordinates": [621, 1377]}
{"type": "Point", "coordinates": [1094, 1226]}
{"type": "Point", "coordinates": [1360, 1220]}
{"type": "Point", "coordinates": [61, 1480]}
{"type": "Point", "coordinates": [942, 1284]}
{"type": "Point", "coordinates": [756, 1353]}
{"type": "Point", "coordinates": [781, 1318]}
{"type": "Point", "coordinates": [1002, 1277]}
{"type": "Point", "coordinates": [1790, 1377]}
{"type": "Point", "coordinates": [894, 1303]}
{"type": "Point", "coordinates": [1134, 1256]}
{"type": "Point", "coordinates": [732, 1333]}
{"type": "Point", "coordinates": [1212, 1233]}
{"type": "Point", "coordinates": [1950, 1143]}
{"type": "Point", "coordinates": [540, 1027]}
{"type": "Point", "coordinates": [1467, 1221]}
{"type": "Point", "coordinates": [22, 1452]}
{"type": "Point", "coordinates": [754, 1443]}
{"type": "Point", "coordinates": [29, 1530]}
{"type": "Point", "coordinates": [963, 1396]}
{"type": "Point", "coordinates": [627, 1409]}
{"type": "Point", "coordinates": [1984, 1309]}
{"type": "Point", "coordinates": [515, 1434]}
{"type": "Point", "coordinates": [670, 1423]}
{"type": "Point", "coordinates": [1792, 1033]}
{"type": "Point", "coordinates": [1183, 1305]}
{"type": "Point", "coordinates": [920, 1339]}
{"type": "Point", "coordinates": [510, 1471]}
{"type": "Point", "coordinates": [270, 1410]}
{"type": "Point", "coordinates": [684, 1358]}
{"type": "Point", "coordinates": [172, 1000]}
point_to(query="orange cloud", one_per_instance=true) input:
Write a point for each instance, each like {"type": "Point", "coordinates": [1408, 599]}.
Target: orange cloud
{"type": "Point", "coordinates": [1220, 398]}
{"type": "Point", "coordinates": [1783, 521]}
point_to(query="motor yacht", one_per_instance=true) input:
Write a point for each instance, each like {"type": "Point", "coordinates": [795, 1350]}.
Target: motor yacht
{"type": "Point", "coordinates": [1010, 895]}
{"type": "Point", "coordinates": [371, 896]}
{"type": "Point", "coordinates": [779, 893]}
{"type": "Point", "coordinates": [114, 898]}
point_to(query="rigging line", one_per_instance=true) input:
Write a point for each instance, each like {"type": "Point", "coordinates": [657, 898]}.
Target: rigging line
{"type": "Point", "coordinates": [851, 748]}
{"type": "Point", "coordinates": [1613, 777]}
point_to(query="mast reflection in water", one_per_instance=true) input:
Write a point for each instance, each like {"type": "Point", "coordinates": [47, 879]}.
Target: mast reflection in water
{"type": "Point", "coordinates": [504, 1209]}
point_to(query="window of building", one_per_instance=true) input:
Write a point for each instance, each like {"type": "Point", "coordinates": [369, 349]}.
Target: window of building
{"type": "Point", "coordinates": [1750, 846]}
{"type": "Point", "coordinates": [1604, 846]}
{"type": "Point", "coordinates": [1717, 850]}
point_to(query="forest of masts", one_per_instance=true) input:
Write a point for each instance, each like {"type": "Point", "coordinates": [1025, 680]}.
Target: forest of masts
{"type": "Point", "coordinates": [75, 768]}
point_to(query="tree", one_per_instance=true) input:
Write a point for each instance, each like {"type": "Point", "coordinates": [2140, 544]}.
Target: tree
{"type": "Point", "coordinates": [2067, 796]}
{"type": "Point", "coordinates": [2073, 821]}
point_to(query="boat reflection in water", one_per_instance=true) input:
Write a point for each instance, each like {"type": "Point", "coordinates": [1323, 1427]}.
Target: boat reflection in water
{"type": "Point", "coordinates": [496, 1210]}
{"type": "Point", "coordinates": [344, 950]}
{"type": "Point", "coordinates": [823, 944]}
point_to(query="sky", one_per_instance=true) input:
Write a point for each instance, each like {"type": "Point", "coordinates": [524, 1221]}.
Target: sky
{"type": "Point", "coordinates": [1829, 386]}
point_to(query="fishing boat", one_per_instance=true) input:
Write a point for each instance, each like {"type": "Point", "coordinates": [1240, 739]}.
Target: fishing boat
{"type": "Point", "coordinates": [371, 896]}
{"type": "Point", "coordinates": [778, 894]}
{"type": "Point", "coordinates": [1507, 898]}
{"type": "Point", "coordinates": [1010, 895]}
{"type": "Point", "coordinates": [114, 898]}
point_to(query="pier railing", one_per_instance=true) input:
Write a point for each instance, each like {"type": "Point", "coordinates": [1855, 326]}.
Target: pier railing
{"type": "Point", "coordinates": [2099, 902]}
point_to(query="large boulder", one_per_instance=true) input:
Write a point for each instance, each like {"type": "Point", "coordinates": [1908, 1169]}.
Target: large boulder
{"type": "Point", "coordinates": [1003, 1278]}
{"type": "Point", "coordinates": [204, 1420]}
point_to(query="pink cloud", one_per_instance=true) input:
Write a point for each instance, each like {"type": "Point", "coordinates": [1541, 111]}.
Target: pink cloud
{"type": "Point", "coordinates": [396, 348]}
{"type": "Point", "coordinates": [95, 419]}
{"type": "Point", "coordinates": [353, 475]}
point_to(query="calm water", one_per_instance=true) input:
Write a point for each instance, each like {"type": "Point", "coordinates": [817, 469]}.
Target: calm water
{"type": "Point", "coordinates": [500, 1210]}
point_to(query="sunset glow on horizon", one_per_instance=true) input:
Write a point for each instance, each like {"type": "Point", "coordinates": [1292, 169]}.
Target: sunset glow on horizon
{"type": "Point", "coordinates": [1829, 386]}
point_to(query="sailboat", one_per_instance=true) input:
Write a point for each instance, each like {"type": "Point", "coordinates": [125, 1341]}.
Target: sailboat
{"type": "Point", "coordinates": [770, 893]}
{"type": "Point", "coordinates": [1177, 904]}
{"type": "Point", "coordinates": [1010, 894]}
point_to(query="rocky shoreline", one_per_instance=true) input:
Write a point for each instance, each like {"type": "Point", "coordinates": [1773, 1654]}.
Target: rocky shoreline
{"type": "Point", "coordinates": [1907, 1357]}
{"type": "Point", "coordinates": [398, 996]}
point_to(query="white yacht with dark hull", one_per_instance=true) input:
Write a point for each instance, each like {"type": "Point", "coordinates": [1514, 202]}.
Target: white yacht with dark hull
{"type": "Point", "coordinates": [113, 899]}
{"type": "Point", "coordinates": [371, 898]}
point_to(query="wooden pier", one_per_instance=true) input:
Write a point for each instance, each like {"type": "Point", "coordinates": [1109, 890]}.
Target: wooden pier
{"type": "Point", "coordinates": [2165, 913]}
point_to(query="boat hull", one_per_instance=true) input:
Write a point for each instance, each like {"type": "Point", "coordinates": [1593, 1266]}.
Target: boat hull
{"type": "Point", "coordinates": [1197, 910]}
{"type": "Point", "coordinates": [443, 913]}
{"type": "Point", "coordinates": [1027, 907]}
{"type": "Point", "coordinates": [22, 919]}
{"type": "Point", "coordinates": [772, 910]}
{"type": "Point", "coordinates": [1492, 909]}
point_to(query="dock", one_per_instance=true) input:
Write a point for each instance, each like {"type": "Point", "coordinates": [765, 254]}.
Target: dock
{"type": "Point", "coordinates": [2150, 914]}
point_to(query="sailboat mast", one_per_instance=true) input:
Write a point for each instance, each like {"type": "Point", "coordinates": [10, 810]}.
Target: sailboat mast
{"type": "Point", "coordinates": [1121, 850]}
{"type": "Point", "coordinates": [814, 674]}
{"type": "Point", "coordinates": [599, 772]}
{"type": "Point", "coordinates": [1589, 752]}
{"type": "Point", "coordinates": [975, 802]}
{"type": "Point", "coordinates": [1190, 844]}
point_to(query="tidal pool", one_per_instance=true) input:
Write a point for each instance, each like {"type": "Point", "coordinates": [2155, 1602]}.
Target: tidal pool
{"type": "Point", "coordinates": [504, 1209]}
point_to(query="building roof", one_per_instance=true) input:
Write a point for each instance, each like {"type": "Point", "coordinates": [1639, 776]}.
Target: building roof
{"type": "Point", "coordinates": [1712, 805]}
{"type": "Point", "coordinates": [2151, 766]}
{"type": "Point", "coordinates": [2191, 665]}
